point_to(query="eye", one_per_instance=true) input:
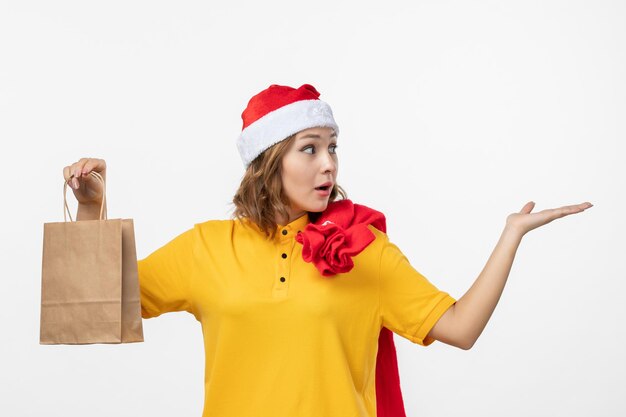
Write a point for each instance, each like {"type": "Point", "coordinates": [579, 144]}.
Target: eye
{"type": "Point", "coordinates": [333, 149]}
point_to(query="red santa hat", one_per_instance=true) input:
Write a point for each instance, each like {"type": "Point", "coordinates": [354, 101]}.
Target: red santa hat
{"type": "Point", "coordinates": [278, 112]}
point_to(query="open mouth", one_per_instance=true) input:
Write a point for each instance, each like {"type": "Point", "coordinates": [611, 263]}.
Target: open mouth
{"type": "Point", "coordinates": [324, 188]}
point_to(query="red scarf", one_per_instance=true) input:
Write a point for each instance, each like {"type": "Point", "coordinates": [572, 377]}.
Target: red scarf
{"type": "Point", "coordinates": [330, 243]}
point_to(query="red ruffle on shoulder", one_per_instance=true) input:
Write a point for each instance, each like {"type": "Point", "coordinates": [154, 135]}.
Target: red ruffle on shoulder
{"type": "Point", "coordinates": [339, 234]}
{"type": "Point", "coordinates": [330, 242]}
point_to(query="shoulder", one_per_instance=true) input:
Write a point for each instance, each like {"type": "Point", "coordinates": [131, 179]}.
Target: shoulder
{"type": "Point", "coordinates": [375, 219]}
{"type": "Point", "coordinates": [376, 223]}
{"type": "Point", "coordinates": [214, 224]}
{"type": "Point", "coordinates": [367, 261]}
{"type": "Point", "coordinates": [381, 240]}
{"type": "Point", "coordinates": [365, 214]}
{"type": "Point", "coordinates": [225, 230]}
{"type": "Point", "coordinates": [212, 229]}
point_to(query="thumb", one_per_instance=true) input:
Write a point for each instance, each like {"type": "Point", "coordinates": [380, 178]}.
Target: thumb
{"type": "Point", "coordinates": [528, 207]}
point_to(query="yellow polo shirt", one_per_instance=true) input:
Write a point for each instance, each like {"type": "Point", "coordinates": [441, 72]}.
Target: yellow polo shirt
{"type": "Point", "coordinates": [280, 339]}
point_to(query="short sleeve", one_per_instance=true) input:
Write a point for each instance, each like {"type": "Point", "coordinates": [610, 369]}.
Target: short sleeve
{"type": "Point", "coordinates": [165, 277]}
{"type": "Point", "coordinates": [409, 304]}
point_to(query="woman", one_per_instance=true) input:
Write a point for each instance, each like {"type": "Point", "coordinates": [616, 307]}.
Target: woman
{"type": "Point", "coordinates": [298, 294]}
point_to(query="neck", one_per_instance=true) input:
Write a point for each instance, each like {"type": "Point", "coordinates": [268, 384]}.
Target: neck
{"type": "Point", "coordinates": [292, 216]}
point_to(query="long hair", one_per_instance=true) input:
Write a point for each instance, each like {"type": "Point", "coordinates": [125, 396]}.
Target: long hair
{"type": "Point", "coordinates": [260, 197]}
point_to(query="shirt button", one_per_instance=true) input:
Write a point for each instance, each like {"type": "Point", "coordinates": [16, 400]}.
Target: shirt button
{"type": "Point", "coordinates": [284, 255]}
{"type": "Point", "coordinates": [284, 232]}
{"type": "Point", "coordinates": [282, 279]}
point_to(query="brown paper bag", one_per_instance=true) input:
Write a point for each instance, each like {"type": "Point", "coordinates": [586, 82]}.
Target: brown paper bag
{"type": "Point", "coordinates": [89, 281]}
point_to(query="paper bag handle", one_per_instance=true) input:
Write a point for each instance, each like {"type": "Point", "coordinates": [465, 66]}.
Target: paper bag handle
{"type": "Point", "coordinates": [66, 209]}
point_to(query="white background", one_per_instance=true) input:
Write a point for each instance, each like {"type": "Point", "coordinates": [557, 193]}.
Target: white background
{"type": "Point", "coordinates": [453, 114]}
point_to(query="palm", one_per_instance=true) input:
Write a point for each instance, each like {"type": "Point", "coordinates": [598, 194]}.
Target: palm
{"type": "Point", "coordinates": [525, 221]}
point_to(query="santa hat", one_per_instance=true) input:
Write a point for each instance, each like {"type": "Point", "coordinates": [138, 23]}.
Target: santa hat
{"type": "Point", "coordinates": [278, 112]}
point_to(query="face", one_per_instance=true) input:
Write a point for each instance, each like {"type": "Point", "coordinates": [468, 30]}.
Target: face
{"type": "Point", "coordinates": [310, 162]}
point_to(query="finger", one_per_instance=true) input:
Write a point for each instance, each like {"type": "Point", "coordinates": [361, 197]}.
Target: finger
{"type": "Point", "coordinates": [68, 177]}
{"type": "Point", "coordinates": [93, 164]}
{"type": "Point", "coordinates": [567, 210]}
{"type": "Point", "coordinates": [73, 177]}
{"type": "Point", "coordinates": [577, 207]}
{"type": "Point", "coordinates": [85, 166]}
{"type": "Point", "coordinates": [528, 207]}
{"type": "Point", "coordinates": [66, 173]}
{"type": "Point", "coordinates": [80, 166]}
{"type": "Point", "coordinates": [76, 171]}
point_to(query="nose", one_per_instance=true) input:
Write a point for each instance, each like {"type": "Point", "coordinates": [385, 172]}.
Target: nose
{"type": "Point", "coordinates": [328, 163]}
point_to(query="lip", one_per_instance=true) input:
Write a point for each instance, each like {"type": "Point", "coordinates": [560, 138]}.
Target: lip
{"type": "Point", "coordinates": [325, 193]}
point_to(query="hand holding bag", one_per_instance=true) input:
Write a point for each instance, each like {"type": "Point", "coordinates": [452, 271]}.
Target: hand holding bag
{"type": "Point", "coordinates": [89, 282]}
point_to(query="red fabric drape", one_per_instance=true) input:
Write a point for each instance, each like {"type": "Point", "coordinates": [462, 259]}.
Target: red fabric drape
{"type": "Point", "coordinates": [330, 242]}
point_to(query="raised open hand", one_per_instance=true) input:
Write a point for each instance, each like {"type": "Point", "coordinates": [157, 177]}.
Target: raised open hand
{"type": "Point", "coordinates": [525, 221]}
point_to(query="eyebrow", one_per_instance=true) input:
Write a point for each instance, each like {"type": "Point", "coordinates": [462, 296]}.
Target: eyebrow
{"type": "Point", "coordinates": [311, 135]}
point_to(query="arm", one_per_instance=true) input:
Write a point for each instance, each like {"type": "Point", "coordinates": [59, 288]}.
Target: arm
{"type": "Point", "coordinates": [462, 324]}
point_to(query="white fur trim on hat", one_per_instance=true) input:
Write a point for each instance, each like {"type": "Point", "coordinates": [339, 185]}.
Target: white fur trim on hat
{"type": "Point", "coordinates": [281, 123]}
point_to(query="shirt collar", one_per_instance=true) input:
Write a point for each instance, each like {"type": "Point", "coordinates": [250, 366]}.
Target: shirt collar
{"type": "Point", "coordinates": [290, 230]}
{"type": "Point", "coordinates": [285, 232]}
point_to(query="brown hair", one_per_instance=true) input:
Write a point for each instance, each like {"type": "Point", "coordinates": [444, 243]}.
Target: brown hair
{"type": "Point", "coordinates": [260, 197]}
